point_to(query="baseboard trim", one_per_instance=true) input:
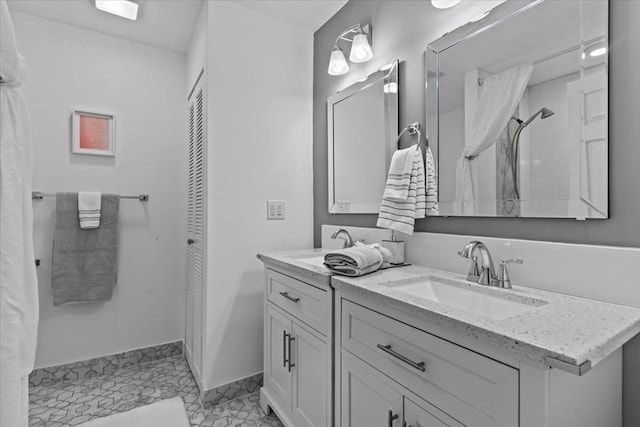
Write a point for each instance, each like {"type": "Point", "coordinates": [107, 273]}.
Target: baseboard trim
{"type": "Point", "coordinates": [232, 390]}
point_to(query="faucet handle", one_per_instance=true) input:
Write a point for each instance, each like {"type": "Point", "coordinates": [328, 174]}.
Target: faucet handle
{"type": "Point", "coordinates": [503, 277]}
{"type": "Point", "coordinates": [474, 270]}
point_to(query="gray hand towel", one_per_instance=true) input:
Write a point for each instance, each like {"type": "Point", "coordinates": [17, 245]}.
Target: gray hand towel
{"type": "Point", "coordinates": [85, 261]}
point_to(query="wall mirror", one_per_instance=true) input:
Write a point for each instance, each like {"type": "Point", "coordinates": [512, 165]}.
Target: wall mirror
{"type": "Point", "coordinates": [362, 129]}
{"type": "Point", "coordinates": [517, 111]}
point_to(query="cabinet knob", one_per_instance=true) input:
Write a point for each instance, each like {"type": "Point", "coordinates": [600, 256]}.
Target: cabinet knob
{"type": "Point", "coordinates": [190, 241]}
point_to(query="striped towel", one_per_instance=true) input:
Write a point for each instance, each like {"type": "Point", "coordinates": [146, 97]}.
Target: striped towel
{"type": "Point", "coordinates": [432, 186]}
{"type": "Point", "coordinates": [89, 209]}
{"type": "Point", "coordinates": [404, 198]}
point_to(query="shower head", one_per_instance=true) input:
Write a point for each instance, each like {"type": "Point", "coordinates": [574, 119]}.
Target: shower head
{"type": "Point", "coordinates": [544, 112]}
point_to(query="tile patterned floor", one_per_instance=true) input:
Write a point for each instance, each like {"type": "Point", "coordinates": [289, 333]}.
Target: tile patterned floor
{"type": "Point", "coordinates": [74, 402]}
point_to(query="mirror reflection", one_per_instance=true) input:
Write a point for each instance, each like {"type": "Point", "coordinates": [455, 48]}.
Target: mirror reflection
{"type": "Point", "coordinates": [517, 111]}
{"type": "Point", "coordinates": [362, 127]}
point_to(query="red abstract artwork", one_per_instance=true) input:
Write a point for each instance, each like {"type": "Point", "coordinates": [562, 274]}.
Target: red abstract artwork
{"type": "Point", "coordinates": [94, 133]}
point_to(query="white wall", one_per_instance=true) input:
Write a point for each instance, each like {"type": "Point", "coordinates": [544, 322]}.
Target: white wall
{"type": "Point", "coordinates": [260, 147]}
{"type": "Point", "coordinates": [145, 87]}
{"type": "Point", "coordinates": [197, 52]}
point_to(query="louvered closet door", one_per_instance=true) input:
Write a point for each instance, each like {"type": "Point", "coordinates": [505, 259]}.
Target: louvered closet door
{"type": "Point", "coordinates": [195, 231]}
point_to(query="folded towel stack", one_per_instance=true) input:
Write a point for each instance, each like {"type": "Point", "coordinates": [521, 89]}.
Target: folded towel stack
{"type": "Point", "coordinates": [89, 203]}
{"type": "Point", "coordinates": [404, 198]}
{"type": "Point", "coordinates": [432, 186]}
{"type": "Point", "coordinates": [358, 260]}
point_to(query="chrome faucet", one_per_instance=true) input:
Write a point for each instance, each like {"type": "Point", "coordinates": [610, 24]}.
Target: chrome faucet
{"type": "Point", "coordinates": [487, 274]}
{"type": "Point", "coordinates": [344, 235]}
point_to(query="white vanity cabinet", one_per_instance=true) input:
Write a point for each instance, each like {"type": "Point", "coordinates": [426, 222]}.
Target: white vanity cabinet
{"type": "Point", "coordinates": [394, 369]}
{"type": "Point", "coordinates": [456, 386]}
{"type": "Point", "coordinates": [297, 349]}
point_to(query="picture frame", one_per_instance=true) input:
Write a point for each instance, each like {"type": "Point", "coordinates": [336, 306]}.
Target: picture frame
{"type": "Point", "coordinates": [93, 133]}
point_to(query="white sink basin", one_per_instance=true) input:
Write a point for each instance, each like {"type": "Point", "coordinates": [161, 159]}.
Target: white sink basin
{"type": "Point", "coordinates": [475, 302]}
{"type": "Point", "coordinates": [317, 260]}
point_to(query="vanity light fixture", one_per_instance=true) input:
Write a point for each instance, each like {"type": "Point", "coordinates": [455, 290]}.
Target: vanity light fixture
{"type": "Point", "coordinates": [360, 49]}
{"type": "Point", "coordinates": [444, 4]}
{"type": "Point", "coordinates": [124, 8]}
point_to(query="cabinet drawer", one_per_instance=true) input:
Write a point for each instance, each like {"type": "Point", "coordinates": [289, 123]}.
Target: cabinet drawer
{"type": "Point", "coordinates": [471, 388]}
{"type": "Point", "coordinates": [301, 300]}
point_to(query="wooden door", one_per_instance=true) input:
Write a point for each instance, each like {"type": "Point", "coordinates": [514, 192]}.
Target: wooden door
{"type": "Point", "coordinates": [310, 378]}
{"type": "Point", "coordinates": [194, 310]}
{"type": "Point", "coordinates": [277, 376]}
{"type": "Point", "coordinates": [367, 399]}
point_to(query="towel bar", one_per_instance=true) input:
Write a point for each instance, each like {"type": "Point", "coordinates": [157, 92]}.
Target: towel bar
{"type": "Point", "coordinates": [37, 195]}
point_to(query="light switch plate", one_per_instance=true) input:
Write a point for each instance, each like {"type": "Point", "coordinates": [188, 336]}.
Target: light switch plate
{"type": "Point", "coordinates": [275, 209]}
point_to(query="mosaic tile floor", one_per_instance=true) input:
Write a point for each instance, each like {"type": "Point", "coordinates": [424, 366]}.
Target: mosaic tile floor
{"type": "Point", "coordinates": [74, 402]}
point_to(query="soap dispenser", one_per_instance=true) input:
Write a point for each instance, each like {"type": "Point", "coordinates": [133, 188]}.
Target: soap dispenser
{"type": "Point", "coordinates": [396, 247]}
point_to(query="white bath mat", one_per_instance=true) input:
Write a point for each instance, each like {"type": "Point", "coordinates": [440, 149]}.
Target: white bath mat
{"type": "Point", "coordinates": [166, 413]}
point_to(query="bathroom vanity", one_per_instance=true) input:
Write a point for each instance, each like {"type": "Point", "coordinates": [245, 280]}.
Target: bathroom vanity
{"type": "Point", "coordinates": [416, 346]}
{"type": "Point", "coordinates": [298, 339]}
{"type": "Point", "coordinates": [425, 351]}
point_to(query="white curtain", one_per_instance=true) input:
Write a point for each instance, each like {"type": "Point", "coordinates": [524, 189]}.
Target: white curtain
{"type": "Point", "coordinates": [18, 282]}
{"type": "Point", "coordinates": [500, 94]}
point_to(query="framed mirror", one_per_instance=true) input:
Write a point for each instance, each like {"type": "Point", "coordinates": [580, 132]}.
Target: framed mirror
{"type": "Point", "coordinates": [362, 128]}
{"type": "Point", "coordinates": [517, 111]}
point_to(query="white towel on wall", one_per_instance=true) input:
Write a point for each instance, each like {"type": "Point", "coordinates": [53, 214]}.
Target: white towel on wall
{"type": "Point", "coordinates": [432, 184]}
{"type": "Point", "coordinates": [89, 205]}
{"type": "Point", "coordinates": [404, 198]}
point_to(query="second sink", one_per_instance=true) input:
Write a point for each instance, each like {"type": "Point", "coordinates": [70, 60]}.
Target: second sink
{"type": "Point", "coordinates": [473, 301]}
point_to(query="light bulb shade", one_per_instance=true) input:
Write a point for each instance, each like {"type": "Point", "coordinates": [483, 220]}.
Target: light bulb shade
{"type": "Point", "coordinates": [123, 8]}
{"type": "Point", "coordinates": [444, 4]}
{"type": "Point", "coordinates": [360, 49]}
{"type": "Point", "coordinates": [337, 64]}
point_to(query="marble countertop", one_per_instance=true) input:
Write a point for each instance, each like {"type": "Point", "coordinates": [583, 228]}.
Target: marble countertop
{"type": "Point", "coordinates": [305, 262]}
{"type": "Point", "coordinates": [563, 331]}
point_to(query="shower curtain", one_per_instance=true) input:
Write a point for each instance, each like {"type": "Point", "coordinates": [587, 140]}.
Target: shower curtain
{"type": "Point", "coordinates": [18, 283]}
{"type": "Point", "coordinates": [500, 94]}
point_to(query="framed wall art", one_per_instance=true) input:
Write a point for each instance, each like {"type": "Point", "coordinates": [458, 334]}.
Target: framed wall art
{"type": "Point", "coordinates": [93, 133]}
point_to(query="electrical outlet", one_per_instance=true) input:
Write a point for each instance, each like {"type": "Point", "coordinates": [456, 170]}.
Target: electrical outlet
{"type": "Point", "coordinates": [275, 209]}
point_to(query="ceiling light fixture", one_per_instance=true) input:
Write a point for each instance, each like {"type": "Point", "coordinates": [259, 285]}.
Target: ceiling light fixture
{"type": "Point", "coordinates": [595, 48]}
{"type": "Point", "coordinates": [598, 52]}
{"type": "Point", "coordinates": [360, 49]}
{"type": "Point", "coordinates": [123, 8]}
{"type": "Point", "coordinates": [444, 4]}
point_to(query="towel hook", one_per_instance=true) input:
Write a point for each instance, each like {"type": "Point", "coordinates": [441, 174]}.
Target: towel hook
{"type": "Point", "coordinates": [413, 129]}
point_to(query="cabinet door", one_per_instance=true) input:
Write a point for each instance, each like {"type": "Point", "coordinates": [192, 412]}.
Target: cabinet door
{"type": "Point", "coordinates": [366, 398]}
{"type": "Point", "coordinates": [309, 360]}
{"type": "Point", "coordinates": [277, 375]}
{"type": "Point", "coordinates": [425, 415]}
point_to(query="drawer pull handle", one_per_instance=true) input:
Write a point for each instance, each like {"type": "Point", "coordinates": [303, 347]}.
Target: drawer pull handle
{"type": "Point", "coordinates": [418, 365]}
{"type": "Point", "coordinates": [291, 365]}
{"type": "Point", "coordinates": [289, 297]}
{"type": "Point", "coordinates": [392, 417]}
{"type": "Point", "coordinates": [284, 348]}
